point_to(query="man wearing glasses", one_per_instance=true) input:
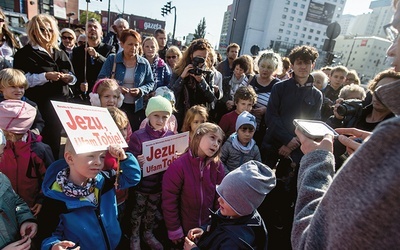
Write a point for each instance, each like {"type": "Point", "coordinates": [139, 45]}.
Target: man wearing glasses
{"type": "Point", "coordinates": [392, 32]}
{"type": "Point", "coordinates": [97, 53]}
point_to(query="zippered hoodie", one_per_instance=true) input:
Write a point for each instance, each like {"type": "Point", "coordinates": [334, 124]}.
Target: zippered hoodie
{"type": "Point", "coordinates": [78, 220]}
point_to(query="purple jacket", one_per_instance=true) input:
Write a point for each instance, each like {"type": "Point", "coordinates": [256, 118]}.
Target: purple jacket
{"type": "Point", "coordinates": [150, 184]}
{"type": "Point", "coordinates": [188, 192]}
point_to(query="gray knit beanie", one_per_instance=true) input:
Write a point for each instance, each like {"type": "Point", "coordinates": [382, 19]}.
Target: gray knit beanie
{"type": "Point", "coordinates": [245, 188]}
{"type": "Point", "coordinates": [245, 118]}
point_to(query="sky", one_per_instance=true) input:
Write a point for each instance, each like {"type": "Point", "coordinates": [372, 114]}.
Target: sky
{"type": "Point", "coordinates": [190, 12]}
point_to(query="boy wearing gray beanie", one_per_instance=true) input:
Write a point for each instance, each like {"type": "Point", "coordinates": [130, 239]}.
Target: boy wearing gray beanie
{"type": "Point", "coordinates": [237, 224]}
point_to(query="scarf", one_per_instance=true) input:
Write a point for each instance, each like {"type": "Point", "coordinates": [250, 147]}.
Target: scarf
{"type": "Point", "coordinates": [236, 83]}
{"type": "Point", "coordinates": [72, 190]}
{"type": "Point", "coordinates": [239, 146]}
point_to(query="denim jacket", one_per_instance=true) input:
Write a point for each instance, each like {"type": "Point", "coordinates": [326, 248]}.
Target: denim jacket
{"type": "Point", "coordinates": [143, 75]}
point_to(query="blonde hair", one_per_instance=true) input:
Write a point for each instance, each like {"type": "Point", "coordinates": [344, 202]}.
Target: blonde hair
{"type": "Point", "coordinates": [36, 36]}
{"type": "Point", "coordinates": [271, 57]}
{"type": "Point", "coordinates": [119, 117]}
{"type": "Point", "coordinates": [201, 130]}
{"type": "Point", "coordinates": [106, 84]}
{"type": "Point", "coordinates": [68, 147]}
{"type": "Point", "coordinates": [191, 114]}
{"type": "Point", "coordinates": [352, 88]}
{"type": "Point", "coordinates": [12, 77]}
{"type": "Point", "coordinates": [154, 40]}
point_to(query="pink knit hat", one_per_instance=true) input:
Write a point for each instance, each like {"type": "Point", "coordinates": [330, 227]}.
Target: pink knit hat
{"type": "Point", "coordinates": [16, 116]}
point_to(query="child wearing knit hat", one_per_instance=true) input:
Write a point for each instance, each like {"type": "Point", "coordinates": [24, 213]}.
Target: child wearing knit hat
{"type": "Point", "coordinates": [240, 146]}
{"type": "Point", "coordinates": [147, 194]}
{"type": "Point", "coordinates": [237, 224]}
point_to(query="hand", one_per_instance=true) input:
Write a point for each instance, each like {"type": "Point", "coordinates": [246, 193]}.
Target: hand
{"type": "Point", "coordinates": [308, 145]}
{"type": "Point", "coordinates": [28, 229]}
{"type": "Point", "coordinates": [185, 72]}
{"type": "Point", "coordinates": [284, 151]}
{"type": "Point", "coordinates": [293, 144]}
{"type": "Point", "coordinates": [36, 209]}
{"type": "Point", "coordinates": [216, 89]}
{"type": "Point", "coordinates": [353, 133]}
{"type": "Point", "coordinates": [22, 244]}
{"type": "Point", "coordinates": [117, 152]}
{"type": "Point", "coordinates": [197, 77]}
{"type": "Point", "coordinates": [66, 78]}
{"type": "Point", "coordinates": [141, 160]}
{"type": "Point", "coordinates": [176, 242]}
{"type": "Point", "coordinates": [134, 92]}
{"type": "Point", "coordinates": [84, 87]}
{"type": "Point", "coordinates": [259, 112]}
{"type": "Point", "coordinates": [335, 113]}
{"type": "Point", "coordinates": [66, 244]}
{"type": "Point", "coordinates": [53, 76]}
{"type": "Point", "coordinates": [229, 104]}
{"type": "Point", "coordinates": [124, 90]}
{"type": "Point", "coordinates": [195, 233]}
{"type": "Point", "coordinates": [188, 244]}
{"type": "Point", "coordinates": [92, 52]}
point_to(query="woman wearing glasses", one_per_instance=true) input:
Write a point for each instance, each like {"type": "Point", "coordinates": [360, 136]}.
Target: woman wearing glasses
{"type": "Point", "coordinates": [68, 39]}
{"type": "Point", "coordinates": [48, 71]}
{"type": "Point", "coordinates": [8, 43]}
{"type": "Point", "coordinates": [172, 57]}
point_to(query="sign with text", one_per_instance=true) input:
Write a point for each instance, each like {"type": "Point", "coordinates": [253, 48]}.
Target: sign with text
{"type": "Point", "coordinates": [89, 128]}
{"type": "Point", "coordinates": [159, 153]}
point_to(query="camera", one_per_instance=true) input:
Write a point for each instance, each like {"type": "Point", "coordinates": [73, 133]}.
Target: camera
{"type": "Point", "coordinates": [196, 69]}
{"type": "Point", "coordinates": [350, 107]}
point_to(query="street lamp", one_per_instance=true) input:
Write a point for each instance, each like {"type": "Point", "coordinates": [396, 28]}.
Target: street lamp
{"type": "Point", "coordinates": [69, 15]}
{"type": "Point", "coordinates": [167, 9]}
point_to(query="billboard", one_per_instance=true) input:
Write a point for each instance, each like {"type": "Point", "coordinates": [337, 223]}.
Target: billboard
{"type": "Point", "coordinates": [321, 13]}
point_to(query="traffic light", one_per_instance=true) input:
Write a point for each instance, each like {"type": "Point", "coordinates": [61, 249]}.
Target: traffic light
{"type": "Point", "coordinates": [163, 11]}
{"type": "Point", "coordinates": [329, 58]}
{"type": "Point", "coordinates": [166, 9]}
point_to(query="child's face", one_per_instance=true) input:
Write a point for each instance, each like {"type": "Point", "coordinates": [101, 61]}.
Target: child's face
{"type": "Point", "coordinates": [245, 133]}
{"type": "Point", "coordinates": [109, 98]}
{"type": "Point", "coordinates": [84, 166]}
{"type": "Point", "coordinates": [124, 132]}
{"type": "Point", "coordinates": [238, 71]}
{"type": "Point", "coordinates": [244, 105]}
{"type": "Point", "coordinates": [13, 92]}
{"type": "Point", "coordinates": [337, 79]}
{"type": "Point", "coordinates": [225, 209]}
{"type": "Point", "coordinates": [198, 119]}
{"type": "Point", "coordinates": [158, 119]}
{"type": "Point", "coordinates": [209, 144]}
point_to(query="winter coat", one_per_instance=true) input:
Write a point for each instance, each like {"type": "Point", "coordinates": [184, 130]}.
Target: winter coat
{"type": "Point", "coordinates": [78, 220]}
{"type": "Point", "coordinates": [188, 192]}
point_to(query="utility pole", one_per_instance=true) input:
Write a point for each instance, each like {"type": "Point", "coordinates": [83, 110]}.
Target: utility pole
{"type": "Point", "coordinates": [167, 9]}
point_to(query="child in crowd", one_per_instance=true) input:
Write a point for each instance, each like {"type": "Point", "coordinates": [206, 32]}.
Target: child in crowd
{"type": "Point", "coordinates": [106, 93]}
{"type": "Point", "coordinates": [80, 209]}
{"type": "Point", "coordinates": [17, 223]}
{"type": "Point", "coordinates": [148, 191]}
{"type": "Point", "coordinates": [320, 79]}
{"type": "Point", "coordinates": [172, 122]}
{"type": "Point", "coordinates": [240, 146]}
{"type": "Point", "coordinates": [237, 224]}
{"type": "Point", "coordinates": [26, 157]}
{"type": "Point", "coordinates": [188, 187]}
{"type": "Point", "coordinates": [13, 84]}
{"type": "Point", "coordinates": [195, 116]}
{"type": "Point", "coordinates": [245, 98]}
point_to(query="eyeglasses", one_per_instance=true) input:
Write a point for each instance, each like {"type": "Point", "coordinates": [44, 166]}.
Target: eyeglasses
{"type": "Point", "coordinates": [245, 128]}
{"type": "Point", "coordinates": [2, 20]}
{"type": "Point", "coordinates": [42, 29]}
{"type": "Point", "coordinates": [173, 57]}
{"type": "Point", "coordinates": [67, 38]}
{"type": "Point", "coordinates": [391, 32]}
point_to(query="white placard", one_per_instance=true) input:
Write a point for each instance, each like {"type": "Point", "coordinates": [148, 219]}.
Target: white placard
{"type": "Point", "coordinates": [161, 152]}
{"type": "Point", "coordinates": [89, 128]}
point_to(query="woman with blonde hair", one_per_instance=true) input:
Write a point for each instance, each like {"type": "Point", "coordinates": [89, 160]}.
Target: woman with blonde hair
{"type": "Point", "coordinates": [8, 43]}
{"type": "Point", "coordinates": [172, 57]}
{"type": "Point", "coordinates": [48, 71]}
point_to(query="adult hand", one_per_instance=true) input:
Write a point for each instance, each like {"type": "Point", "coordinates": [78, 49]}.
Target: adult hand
{"type": "Point", "coordinates": [66, 78]}
{"type": "Point", "coordinates": [353, 133]}
{"type": "Point", "coordinates": [28, 229]}
{"type": "Point", "coordinates": [134, 92]}
{"type": "Point", "coordinates": [65, 244]}
{"type": "Point", "coordinates": [22, 244]}
{"type": "Point", "coordinates": [259, 111]}
{"type": "Point", "coordinates": [36, 209]}
{"type": "Point", "coordinates": [337, 104]}
{"type": "Point", "coordinates": [84, 87]}
{"type": "Point", "coordinates": [284, 151]}
{"type": "Point", "coordinates": [124, 90]}
{"type": "Point", "coordinates": [229, 104]}
{"type": "Point", "coordinates": [185, 72]}
{"type": "Point", "coordinates": [293, 144]}
{"type": "Point", "coordinates": [188, 244]}
{"type": "Point", "coordinates": [53, 76]}
{"type": "Point", "coordinates": [198, 78]}
{"type": "Point", "coordinates": [92, 52]}
{"type": "Point", "coordinates": [308, 145]}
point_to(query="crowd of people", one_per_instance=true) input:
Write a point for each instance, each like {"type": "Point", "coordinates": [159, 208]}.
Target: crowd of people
{"type": "Point", "coordinates": [248, 179]}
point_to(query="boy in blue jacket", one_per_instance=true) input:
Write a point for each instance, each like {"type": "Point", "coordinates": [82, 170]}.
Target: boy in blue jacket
{"type": "Point", "coordinates": [80, 207]}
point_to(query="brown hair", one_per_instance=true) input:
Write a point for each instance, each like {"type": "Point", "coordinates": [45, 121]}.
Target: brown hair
{"type": "Point", "coordinates": [232, 45]}
{"type": "Point", "coordinates": [10, 38]}
{"type": "Point", "coordinates": [201, 130]}
{"type": "Point", "coordinates": [384, 74]}
{"type": "Point", "coordinates": [130, 32]}
{"type": "Point", "coordinates": [119, 117]}
{"type": "Point", "coordinates": [245, 93]}
{"type": "Point", "coordinates": [198, 44]}
{"type": "Point", "coordinates": [304, 53]}
{"type": "Point", "coordinates": [191, 113]}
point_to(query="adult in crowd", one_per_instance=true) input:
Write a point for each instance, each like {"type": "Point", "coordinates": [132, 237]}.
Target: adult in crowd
{"type": "Point", "coordinates": [285, 69]}
{"type": "Point", "coordinates": [161, 37]}
{"type": "Point", "coordinates": [290, 99]}
{"type": "Point", "coordinates": [172, 57]}
{"type": "Point", "coordinates": [352, 77]}
{"type": "Point", "coordinates": [268, 65]}
{"type": "Point", "coordinates": [79, 31]}
{"type": "Point", "coordinates": [8, 43]}
{"type": "Point", "coordinates": [68, 40]}
{"type": "Point", "coordinates": [96, 54]}
{"type": "Point", "coordinates": [349, 209]}
{"type": "Point", "coordinates": [133, 74]}
{"type": "Point", "coordinates": [226, 66]}
{"type": "Point", "coordinates": [161, 72]}
{"type": "Point", "coordinates": [49, 73]}
{"type": "Point", "coordinates": [81, 39]}
{"type": "Point", "coordinates": [192, 81]}
{"type": "Point", "coordinates": [113, 36]}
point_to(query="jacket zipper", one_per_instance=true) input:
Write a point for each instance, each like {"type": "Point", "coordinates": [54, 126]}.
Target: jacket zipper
{"type": "Point", "coordinates": [97, 211]}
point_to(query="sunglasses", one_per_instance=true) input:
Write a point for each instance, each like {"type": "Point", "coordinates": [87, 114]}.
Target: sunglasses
{"type": "Point", "coordinates": [173, 57]}
{"type": "Point", "coordinates": [67, 38]}
{"type": "Point", "coordinates": [2, 20]}
{"type": "Point", "coordinates": [245, 128]}
{"type": "Point", "coordinates": [42, 29]}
